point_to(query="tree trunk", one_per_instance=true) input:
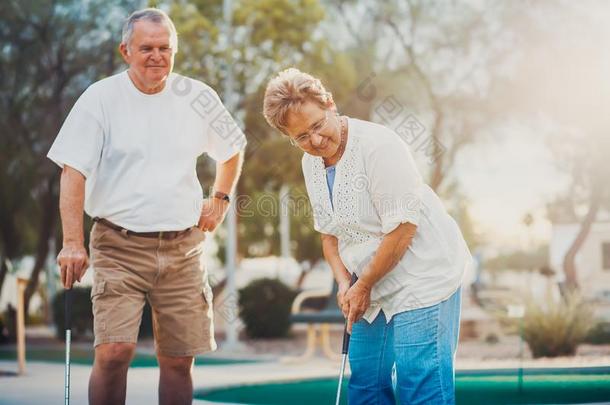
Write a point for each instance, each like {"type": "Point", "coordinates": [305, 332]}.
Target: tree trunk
{"type": "Point", "coordinates": [3, 271]}
{"type": "Point", "coordinates": [569, 260]}
{"type": "Point", "coordinates": [50, 207]}
{"type": "Point", "coordinates": [10, 242]}
{"type": "Point", "coordinates": [437, 160]}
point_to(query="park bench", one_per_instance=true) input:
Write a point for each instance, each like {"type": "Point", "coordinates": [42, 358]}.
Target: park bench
{"type": "Point", "coordinates": [318, 322]}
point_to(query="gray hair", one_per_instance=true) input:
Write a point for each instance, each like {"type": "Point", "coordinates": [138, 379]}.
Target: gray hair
{"type": "Point", "coordinates": [154, 15]}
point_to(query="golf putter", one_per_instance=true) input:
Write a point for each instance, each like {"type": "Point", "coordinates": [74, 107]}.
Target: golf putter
{"type": "Point", "coordinates": [344, 350]}
{"type": "Point", "coordinates": [68, 322]}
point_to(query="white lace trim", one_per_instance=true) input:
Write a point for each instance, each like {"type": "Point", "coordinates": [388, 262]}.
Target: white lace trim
{"type": "Point", "coordinates": [350, 181]}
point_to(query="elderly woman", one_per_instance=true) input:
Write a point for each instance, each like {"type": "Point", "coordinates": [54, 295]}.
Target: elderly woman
{"type": "Point", "coordinates": [379, 220]}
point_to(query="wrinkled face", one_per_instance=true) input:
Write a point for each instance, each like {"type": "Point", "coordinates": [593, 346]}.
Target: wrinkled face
{"type": "Point", "coordinates": [149, 54]}
{"type": "Point", "coordinates": [315, 130]}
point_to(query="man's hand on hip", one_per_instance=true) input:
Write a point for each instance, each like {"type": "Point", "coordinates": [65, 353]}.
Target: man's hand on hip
{"type": "Point", "coordinates": [73, 263]}
{"type": "Point", "coordinates": [212, 214]}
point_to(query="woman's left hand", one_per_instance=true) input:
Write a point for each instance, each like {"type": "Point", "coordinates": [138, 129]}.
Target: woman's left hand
{"type": "Point", "coordinates": [355, 303]}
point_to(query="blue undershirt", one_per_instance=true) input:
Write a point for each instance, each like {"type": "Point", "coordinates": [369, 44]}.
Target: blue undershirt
{"type": "Point", "coordinates": [330, 181]}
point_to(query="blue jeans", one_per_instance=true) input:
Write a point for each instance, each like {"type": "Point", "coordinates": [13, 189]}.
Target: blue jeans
{"type": "Point", "coordinates": [420, 343]}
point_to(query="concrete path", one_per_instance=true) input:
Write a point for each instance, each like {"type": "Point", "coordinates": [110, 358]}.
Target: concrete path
{"type": "Point", "coordinates": [44, 382]}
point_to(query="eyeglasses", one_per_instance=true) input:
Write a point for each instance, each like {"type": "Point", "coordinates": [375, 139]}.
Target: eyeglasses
{"type": "Point", "coordinates": [303, 139]}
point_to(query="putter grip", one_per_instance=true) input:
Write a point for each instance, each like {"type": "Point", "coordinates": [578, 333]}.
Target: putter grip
{"type": "Point", "coordinates": [345, 348]}
{"type": "Point", "coordinates": [68, 308]}
{"type": "Point", "coordinates": [346, 335]}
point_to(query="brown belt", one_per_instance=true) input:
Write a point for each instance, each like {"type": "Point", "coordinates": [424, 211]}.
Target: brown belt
{"type": "Point", "coordinates": [155, 235]}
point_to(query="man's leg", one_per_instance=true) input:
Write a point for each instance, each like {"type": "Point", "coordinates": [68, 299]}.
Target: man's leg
{"type": "Point", "coordinates": [175, 382]}
{"type": "Point", "coordinates": [182, 315]}
{"type": "Point", "coordinates": [108, 382]}
{"type": "Point", "coordinates": [123, 267]}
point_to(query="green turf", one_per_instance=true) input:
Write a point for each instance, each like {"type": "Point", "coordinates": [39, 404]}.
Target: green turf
{"type": "Point", "coordinates": [472, 388]}
{"type": "Point", "coordinates": [80, 356]}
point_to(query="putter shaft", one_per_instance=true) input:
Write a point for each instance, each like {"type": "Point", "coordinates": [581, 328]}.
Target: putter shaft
{"type": "Point", "coordinates": [343, 360]}
{"type": "Point", "coordinates": [68, 324]}
{"type": "Point", "coordinates": [67, 368]}
{"type": "Point", "coordinates": [344, 350]}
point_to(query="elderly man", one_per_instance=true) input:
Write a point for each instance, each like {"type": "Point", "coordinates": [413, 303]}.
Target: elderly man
{"type": "Point", "coordinates": [128, 151]}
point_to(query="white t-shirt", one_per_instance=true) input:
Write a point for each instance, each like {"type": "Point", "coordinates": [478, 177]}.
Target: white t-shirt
{"type": "Point", "coordinates": [138, 152]}
{"type": "Point", "coordinates": [377, 187]}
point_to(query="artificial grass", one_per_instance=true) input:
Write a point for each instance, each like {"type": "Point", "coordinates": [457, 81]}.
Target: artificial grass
{"type": "Point", "coordinates": [560, 386]}
{"type": "Point", "coordinates": [85, 357]}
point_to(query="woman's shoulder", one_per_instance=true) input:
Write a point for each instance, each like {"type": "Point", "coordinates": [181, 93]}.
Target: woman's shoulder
{"type": "Point", "coordinates": [307, 164]}
{"type": "Point", "coordinates": [307, 160]}
{"type": "Point", "coordinates": [373, 137]}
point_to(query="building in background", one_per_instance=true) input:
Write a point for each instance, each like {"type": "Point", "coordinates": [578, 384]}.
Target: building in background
{"type": "Point", "coordinates": [592, 261]}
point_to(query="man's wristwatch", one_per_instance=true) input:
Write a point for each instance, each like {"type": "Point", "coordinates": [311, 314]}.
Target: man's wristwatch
{"type": "Point", "coordinates": [221, 196]}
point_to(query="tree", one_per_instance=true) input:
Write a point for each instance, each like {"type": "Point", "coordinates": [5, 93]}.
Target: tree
{"type": "Point", "coordinates": [52, 50]}
{"type": "Point", "coordinates": [437, 59]}
{"type": "Point", "coordinates": [559, 42]}
{"type": "Point", "coordinates": [584, 158]}
{"type": "Point", "coordinates": [269, 35]}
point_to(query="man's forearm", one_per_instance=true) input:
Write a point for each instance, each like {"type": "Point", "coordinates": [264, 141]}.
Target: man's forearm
{"type": "Point", "coordinates": [390, 252]}
{"type": "Point", "coordinates": [71, 205]}
{"type": "Point", "coordinates": [330, 248]}
{"type": "Point", "coordinates": [227, 174]}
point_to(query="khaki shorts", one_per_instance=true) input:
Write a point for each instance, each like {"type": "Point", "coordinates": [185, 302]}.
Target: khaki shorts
{"type": "Point", "coordinates": [168, 273]}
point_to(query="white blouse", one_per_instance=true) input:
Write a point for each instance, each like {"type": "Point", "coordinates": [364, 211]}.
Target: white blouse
{"type": "Point", "coordinates": [377, 187]}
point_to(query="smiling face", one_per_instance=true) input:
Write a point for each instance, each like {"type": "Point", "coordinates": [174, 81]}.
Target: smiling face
{"type": "Point", "coordinates": [315, 130]}
{"type": "Point", "coordinates": [149, 55]}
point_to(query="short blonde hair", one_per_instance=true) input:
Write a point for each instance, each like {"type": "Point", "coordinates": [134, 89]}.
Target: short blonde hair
{"type": "Point", "coordinates": [288, 91]}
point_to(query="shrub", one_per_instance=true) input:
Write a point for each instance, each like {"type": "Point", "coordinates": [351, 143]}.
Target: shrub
{"type": "Point", "coordinates": [599, 334]}
{"type": "Point", "coordinates": [557, 328]}
{"type": "Point", "coordinates": [491, 338]}
{"type": "Point", "coordinates": [264, 307]}
{"type": "Point", "coordinates": [82, 317]}
{"type": "Point", "coordinates": [146, 327]}
{"type": "Point", "coordinates": [8, 325]}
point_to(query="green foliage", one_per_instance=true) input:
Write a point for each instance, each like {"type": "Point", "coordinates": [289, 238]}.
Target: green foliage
{"type": "Point", "coordinates": [557, 328]}
{"type": "Point", "coordinates": [492, 338]}
{"type": "Point", "coordinates": [599, 334]}
{"type": "Point", "coordinates": [267, 36]}
{"type": "Point", "coordinates": [276, 163]}
{"type": "Point", "coordinates": [82, 315]}
{"type": "Point", "coordinates": [8, 325]}
{"type": "Point", "coordinates": [460, 211]}
{"type": "Point", "coordinates": [264, 307]}
{"type": "Point", "coordinates": [51, 51]}
{"type": "Point", "coordinates": [260, 220]}
{"type": "Point", "coordinates": [308, 245]}
{"type": "Point", "coordinates": [278, 27]}
{"type": "Point", "coordinates": [146, 327]}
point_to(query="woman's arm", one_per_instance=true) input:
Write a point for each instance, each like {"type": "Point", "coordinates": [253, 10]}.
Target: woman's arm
{"type": "Point", "coordinates": [391, 250]}
{"type": "Point", "coordinates": [330, 248]}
